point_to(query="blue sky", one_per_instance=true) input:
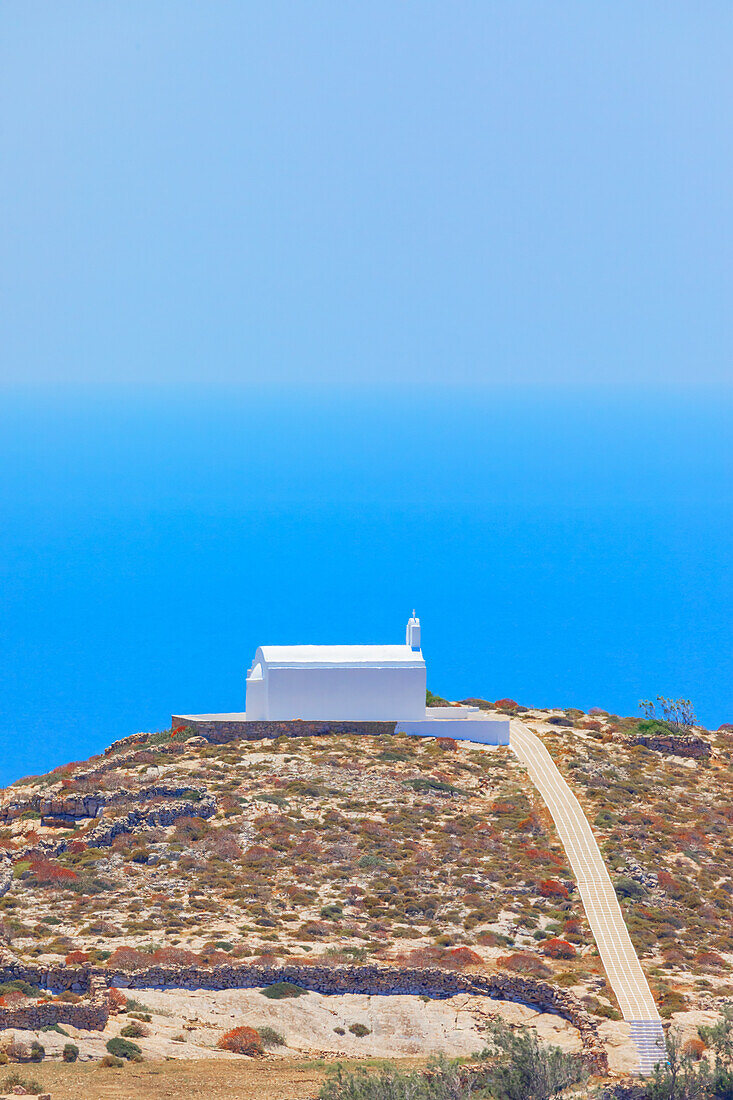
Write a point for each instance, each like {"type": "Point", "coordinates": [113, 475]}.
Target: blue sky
{"type": "Point", "coordinates": [366, 194]}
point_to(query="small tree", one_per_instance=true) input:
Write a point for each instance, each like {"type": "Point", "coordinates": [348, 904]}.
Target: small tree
{"type": "Point", "coordinates": [678, 1078]}
{"type": "Point", "coordinates": [719, 1039]}
{"type": "Point", "coordinates": [526, 1069]}
{"type": "Point", "coordinates": [678, 714]}
{"type": "Point", "coordinates": [442, 1081]}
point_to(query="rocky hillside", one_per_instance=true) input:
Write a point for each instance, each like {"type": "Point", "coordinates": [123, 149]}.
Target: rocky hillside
{"type": "Point", "coordinates": [382, 849]}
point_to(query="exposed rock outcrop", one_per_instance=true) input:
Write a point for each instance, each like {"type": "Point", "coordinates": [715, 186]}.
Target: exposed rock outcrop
{"type": "Point", "coordinates": [6, 877]}
{"type": "Point", "coordinates": [69, 808]}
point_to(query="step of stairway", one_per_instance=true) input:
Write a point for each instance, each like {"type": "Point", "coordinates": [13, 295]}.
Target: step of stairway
{"type": "Point", "coordinates": [648, 1036]}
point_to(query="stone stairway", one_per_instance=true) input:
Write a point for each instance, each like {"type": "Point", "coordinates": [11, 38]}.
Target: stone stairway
{"type": "Point", "coordinates": [649, 1039]}
{"type": "Point", "coordinates": [600, 902]}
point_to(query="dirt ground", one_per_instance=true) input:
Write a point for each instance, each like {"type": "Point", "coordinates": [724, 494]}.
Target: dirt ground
{"type": "Point", "coordinates": [245, 1079]}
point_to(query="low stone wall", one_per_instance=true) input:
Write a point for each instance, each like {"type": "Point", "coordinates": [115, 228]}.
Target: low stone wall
{"type": "Point", "coordinates": [104, 834]}
{"type": "Point", "coordinates": [55, 979]}
{"type": "Point", "coordinates": [91, 1014]}
{"type": "Point", "coordinates": [166, 814]}
{"type": "Point", "coordinates": [220, 732]}
{"type": "Point", "coordinates": [330, 980]}
{"type": "Point", "coordinates": [691, 746]}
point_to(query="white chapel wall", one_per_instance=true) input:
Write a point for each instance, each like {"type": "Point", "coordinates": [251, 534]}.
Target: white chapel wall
{"type": "Point", "coordinates": [352, 694]}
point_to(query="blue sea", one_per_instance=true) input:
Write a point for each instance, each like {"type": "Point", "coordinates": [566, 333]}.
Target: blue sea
{"type": "Point", "coordinates": [566, 548]}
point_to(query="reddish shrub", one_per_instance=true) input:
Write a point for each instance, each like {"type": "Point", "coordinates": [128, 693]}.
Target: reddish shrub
{"type": "Point", "coordinates": [464, 956]}
{"type": "Point", "coordinates": [555, 948]}
{"type": "Point", "coordinates": [128, 958]}
{"type": "Point", "coordinates": [214, 958]}
{"type": "Point", "coordinates": [727, 727]}
{"type": "Point", "coordinates": [257, 853]}
{"type": "Point", "coordinates": [573, 926]}
{"type": "Point", "coordinates": [711, 958]}
{"type": "Point", "coordinates": [670, 885]}
{"type": "Point", "coordinates": [77, 846]}
{"type": "Point", "coordinates": [173, 956]}
{"type": "Point", "coordinates": [551, 888]}
{"type": "Point", "coordinates": [49, 872]}
{"type": "Point", "coordinates": [15, 998]}
{"type": "Point", "coordinates": [222, 843]}
{"type": "Point", "coordinates": [242, 1040]}
{"type": "Point", "coordinates": [116, 999]}
{"type": "Point", "coordinates": [598, 712]}
{"type": "Point", "coordinates": [315, 928]}
{"type": "Point", "coordinates": [455, 958]}
{"type": "Point", "coordinates": [543, 855]}
{"type": "Point", "coordinates": [694, 1048]}
{"type": "Point", "coordinates": [76, 957]}
{"type": "Point", "coordinates": [506, 704]}
{"type": "Point", "coordinates": [522, 963]}
{"type": "Point", "coordinates": [190, 828]}
{"type": "Point", "coordinates": [66, 769]}
{"type": "Point", "coordinates": [488, 939]}
{"type": "Point", "coordinates": [447, 743]}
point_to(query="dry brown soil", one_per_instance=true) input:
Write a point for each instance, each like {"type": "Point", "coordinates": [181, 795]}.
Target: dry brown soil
{"type": "Point", "coordinates": [261, 1079]}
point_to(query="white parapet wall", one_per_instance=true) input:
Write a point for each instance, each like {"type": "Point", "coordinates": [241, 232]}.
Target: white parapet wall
{"type": "Point", "coordinates": [482, 731]}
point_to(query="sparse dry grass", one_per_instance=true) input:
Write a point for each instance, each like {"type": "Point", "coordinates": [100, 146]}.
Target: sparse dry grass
{"type": "Point", "coordinates": [348, 847]}
{"type": "Point", "coordinates": [245, 1079]}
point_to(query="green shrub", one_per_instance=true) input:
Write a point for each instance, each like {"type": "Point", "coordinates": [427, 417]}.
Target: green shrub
{"type": "Point", "coordinates": [270, 1037]}
{"type": "Point", "coordinates": [111, 1061]}
{"type": "Point", "coordinates": [629, 888]}
{"type": "Point", "coordinates": [19, 986]}
{"type": "Point", "coordinates": [331, 912]}
{"type": "Point", "coordinates": [432, 785]}
{"type": "Point", "coordinates": [38, 1051]}
{"type": "Point", "coordinates": [435, 700]}
{"type": "Point", "coordinates": [371, 861]}
{"type": "Point", "coordinates": [524, 1068]}
{"type": "Point", "coordinates": [70, 1052]}
{"type": "Point", "coordinates": [360, 1030]}
{"type": "Point", "coordinates": [123, 1048]}
{"type": "Point", "coordinates": [280, 990]}
{"type": "Point", "coordinates": [443, 1082]}
{"type": "Point", "coordinates": [134, 1030]}
{"type": "Point", "coordinates": [15, 1080]}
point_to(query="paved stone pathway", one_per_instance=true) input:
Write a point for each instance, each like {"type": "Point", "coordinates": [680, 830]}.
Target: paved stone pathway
{"type": "Point", "coordinates": [599, 897]}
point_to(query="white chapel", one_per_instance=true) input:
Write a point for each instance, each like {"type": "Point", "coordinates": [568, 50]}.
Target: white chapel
{"type": "Point", "coordinates": [345, 684]}
{"type": "Point", "coordinates": [357, 683]}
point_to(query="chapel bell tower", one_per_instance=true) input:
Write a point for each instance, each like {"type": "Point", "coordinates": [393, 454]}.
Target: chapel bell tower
{"type": "Point", "coordinates": [413, 633]}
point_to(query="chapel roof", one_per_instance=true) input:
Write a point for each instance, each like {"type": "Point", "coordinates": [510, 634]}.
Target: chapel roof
{"type": "Point", "coordinates": [377, 656]}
